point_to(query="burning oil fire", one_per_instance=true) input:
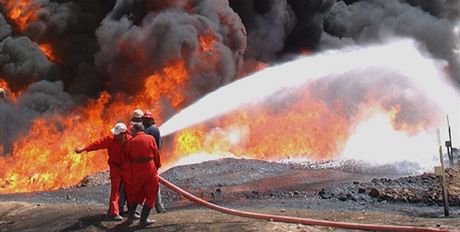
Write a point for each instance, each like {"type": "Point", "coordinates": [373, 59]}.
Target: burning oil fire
{"type": "Point", "coordinates": [169, 83]}
{"type": "Point", "coordinates": [51, 140]}
{"type": "Point", "coordinates": [304, 108]}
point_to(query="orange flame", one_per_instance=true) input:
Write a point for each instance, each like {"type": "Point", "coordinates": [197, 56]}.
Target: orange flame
{"type": "Point", "coordinates": [10, 95]}
{"type": "Point", "coordinates": [411, 129]}
{"type": "Point", "coordinates": [168, 83]}
{"type": "Point", "coordinates": [206, 42]}
{"type": "Point", "coordinates": [21, 12]}
{"type": "Point", "coordinates": [43, 159]}
{"type": "Point", "coordinates": [251, 66]}
{"type": "Point", "coordinates": [306, 128]}
{"type": "Point", "coordinates": [3, 84]}
{"type": "Point", "coordinates": [306, 52]}
{"type": "Point", "coordinates": [47, 50]}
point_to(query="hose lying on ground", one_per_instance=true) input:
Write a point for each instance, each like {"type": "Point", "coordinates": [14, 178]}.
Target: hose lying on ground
{"type": "Point", "coordinates": [287, 219]}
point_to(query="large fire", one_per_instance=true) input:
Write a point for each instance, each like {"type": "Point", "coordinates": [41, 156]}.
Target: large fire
{"type": "Point", "coordinates": [301, 125]}
{"type": "Point", "coordinates": [43, 159]}
{"type": "Point", "coordinates": [304, 127]}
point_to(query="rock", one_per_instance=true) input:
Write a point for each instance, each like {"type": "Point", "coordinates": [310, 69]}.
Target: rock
{"type": "Point", "coordinates": [351, 197]}
{"type": "Point", "coordinates": [342, 197]}
{"type": "Point", "coordinates": [322, 192]}
{"type": "Point", "coordinates": [374, 193]}
{"type": "Point", "coordinates": [361, 190]}
{"type": "Point", "coordinates": [325, 195]}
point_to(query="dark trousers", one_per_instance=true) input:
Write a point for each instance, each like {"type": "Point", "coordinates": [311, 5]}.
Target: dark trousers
{"type": "Point", "coordinates": [158, 203]}
{"type": "Point", "coordinates": [123, 199]}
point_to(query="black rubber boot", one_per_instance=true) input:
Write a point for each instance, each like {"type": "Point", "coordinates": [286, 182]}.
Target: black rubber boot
{"type": "Point", "coordinates": [131, 212]}
{"type": "Point", "coordinates": [145, 221]}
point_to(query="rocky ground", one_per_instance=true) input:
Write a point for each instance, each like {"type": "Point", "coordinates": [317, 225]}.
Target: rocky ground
{"type": "Point", "coordinates": [338, 191]}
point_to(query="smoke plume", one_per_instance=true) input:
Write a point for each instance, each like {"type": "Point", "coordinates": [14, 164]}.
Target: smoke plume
{"type": "Point", "coordinates": [42, 99]}
{"type": "Point", "coordinates": [139, 38]}
{"type": "Point", "coordinates": [366, 22]}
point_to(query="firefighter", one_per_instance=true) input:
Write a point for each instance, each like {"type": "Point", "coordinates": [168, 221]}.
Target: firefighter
{"type": "Point", "coordinates": [144, 157]}
{"type": "Point", "coordinates": [150, 128]}
{"type": "Point", "coordinates": [114, 145]}
{"type": "Point", "coordinates": [136, 118]}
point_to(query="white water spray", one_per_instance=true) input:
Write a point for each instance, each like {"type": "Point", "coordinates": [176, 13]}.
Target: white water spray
{"type": "Point", "coordinates": [401, 56]}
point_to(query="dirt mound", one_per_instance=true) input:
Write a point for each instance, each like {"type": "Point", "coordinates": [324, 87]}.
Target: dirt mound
{"type": "Point", "coordinates": [230, 172]}
{"type": "Point", "coordinates": [255, 179]}
{"type": "Point", "coordinates": [100, 178]}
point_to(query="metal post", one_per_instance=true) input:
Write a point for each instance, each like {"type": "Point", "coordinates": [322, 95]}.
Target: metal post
{"type": "Point", "coordinates": [449, 145]}
{"type": "Point", "coordinates": [445, 198]}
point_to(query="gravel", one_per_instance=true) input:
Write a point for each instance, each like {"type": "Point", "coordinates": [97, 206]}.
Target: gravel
{"type": "Point", "coordinates": [251, 183]}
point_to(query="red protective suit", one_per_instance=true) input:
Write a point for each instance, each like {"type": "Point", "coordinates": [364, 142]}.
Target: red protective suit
{"type": "Point", "coordinates": [144, 156]}
{"type": "Point", "coordinates": [118, 167]}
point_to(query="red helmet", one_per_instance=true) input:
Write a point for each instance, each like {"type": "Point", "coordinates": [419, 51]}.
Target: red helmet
{"type": "Point", "coordinates": [147, 114]}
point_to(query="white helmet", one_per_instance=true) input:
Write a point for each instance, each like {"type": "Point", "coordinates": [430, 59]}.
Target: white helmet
{"type": "Point", "coordinates": [119, 128]}
{"type": "Point", "coordinates": [138, 113]}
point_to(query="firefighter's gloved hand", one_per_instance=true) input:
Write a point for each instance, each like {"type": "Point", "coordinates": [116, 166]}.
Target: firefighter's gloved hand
{"type": "Point", "coordinates": [78, 150]}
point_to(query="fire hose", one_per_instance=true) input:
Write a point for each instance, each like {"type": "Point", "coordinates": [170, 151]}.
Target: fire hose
{"type": "Point", "coordinates": [297, 220]}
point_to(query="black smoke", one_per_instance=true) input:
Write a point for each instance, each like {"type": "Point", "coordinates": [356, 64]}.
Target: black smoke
{"type": "Point", "coordinates": [365, 22]}
{"type": "Point", "coordinates": [41, 99]}
{"type": "Point", "coordinates": [84, 35]}
{"type": "Point", "coordinates": [138, 38]}
{"type": "Point", "coordinates": [22, 62]}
